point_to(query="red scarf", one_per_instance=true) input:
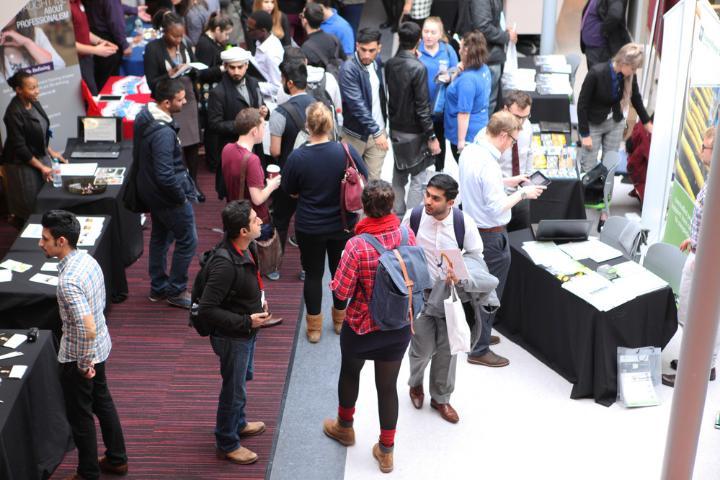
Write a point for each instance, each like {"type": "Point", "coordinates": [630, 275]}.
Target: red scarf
{"type": "Point", "coordinates": [376, 226]}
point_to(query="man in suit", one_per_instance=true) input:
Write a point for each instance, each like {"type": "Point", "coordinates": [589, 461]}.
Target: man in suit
{"type": "Point", "coordinates": [235, 91]}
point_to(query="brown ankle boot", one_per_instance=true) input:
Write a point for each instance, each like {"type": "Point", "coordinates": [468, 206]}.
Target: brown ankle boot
{"type": "Point", "coordinates": [338, 317]}
{"type": "Point", "coordinates": [314, 327]}
{"type": "Point", "coordinates": [384, 456]}
{"type": "Point", "coordinates": [333, 428]}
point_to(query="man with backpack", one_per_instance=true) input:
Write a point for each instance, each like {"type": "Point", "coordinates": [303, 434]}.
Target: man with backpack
{"type": "Point", "coordinates": [322, 49]}
{"type": "Point", "coordinates": [412, 133]}
{"type": "Point", "coordinates": [438, 225]}
{"type": "Point", "coordinates": [229, 296]}
{"type": "Point", "coordinates": [287, 121]}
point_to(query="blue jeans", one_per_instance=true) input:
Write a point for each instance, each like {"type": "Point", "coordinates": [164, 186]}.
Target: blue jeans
{"type": "Point", "coordinates": [496, 251]}
{"type": "Point", "coordinates": [168, 225]}
{"type": "Point", "coordinates": [236, 367]}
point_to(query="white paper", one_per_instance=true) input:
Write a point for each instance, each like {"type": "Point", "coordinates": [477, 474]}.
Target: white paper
{"type": "Point", "coordinates": [15, 341]}
{"type": "Point", "coordinates": [33, 230]}
{"type": "Point", "coordinates": [99, 129]}
{"type": "Point", "coordinates": [78, 169]}
{"type": "Point", "coordinates": [455, 257]}
{"type": "Point", "coordinates": [638, 390]}
{"type": "Point", "coordinates": [598, 291]}
{"type": "Point", "coordinates": [5, 275]}
{"type": "Point", "coordinates": [49, 267]}
{"type": "Point", "coordinates": [44, 279]}
{"type": "Point", "coordinates": [550, 256]}
{"type": "Point", "coordinates": [10, 355]}
{"type": "Point", "coordinates": [198, 65]}
{"type": "Point", "coordinates": [636, 279]}
{"type": "Point", "coordinates": [18, 371]}
{"type": "Point", "coordinates": [595, 250]}
{"type": "Point", "coordinates": [15, 266]}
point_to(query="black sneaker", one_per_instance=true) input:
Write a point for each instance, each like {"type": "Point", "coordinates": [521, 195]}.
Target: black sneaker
{"type": "Point", "coordinates": [181, 301]}
{"type": "Point", "coordinates": [293, 241]}
{"type": "Point", "coordinates": [156, 297]}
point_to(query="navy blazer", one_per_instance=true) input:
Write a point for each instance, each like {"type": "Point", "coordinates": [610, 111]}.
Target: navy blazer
{"type": "Point", "coordinates": [357, 98]}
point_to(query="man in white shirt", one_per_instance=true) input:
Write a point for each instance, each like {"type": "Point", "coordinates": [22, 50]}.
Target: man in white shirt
{"type": "Point", "coordinates": [436, 230]}
{"type": "Point", "coordinates": [269, 51]}
{"type": "Point", "coordinates": [484, 199]}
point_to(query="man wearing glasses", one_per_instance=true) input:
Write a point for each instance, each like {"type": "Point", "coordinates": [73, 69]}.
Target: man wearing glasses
{"type": "Point", "coordinates": [482, 188]}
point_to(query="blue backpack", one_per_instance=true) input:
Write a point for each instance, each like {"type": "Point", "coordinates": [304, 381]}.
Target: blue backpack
{"type": "Point", "coordinates": [400, 279]}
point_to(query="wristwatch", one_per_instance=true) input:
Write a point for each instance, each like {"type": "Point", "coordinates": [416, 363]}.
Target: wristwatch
{"type": "Point", "coordinates": [523, 194]}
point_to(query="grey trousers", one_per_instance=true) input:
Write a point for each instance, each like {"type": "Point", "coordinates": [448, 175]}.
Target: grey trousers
{"type": "Point", "coordinates": [607, 135]}
{"type": "Point", "coordinates": [415, 194]}
{"type": "Point", "coordinates": [430, 345]}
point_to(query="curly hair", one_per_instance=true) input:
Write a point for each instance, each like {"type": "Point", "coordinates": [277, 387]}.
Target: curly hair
{"type": "Point", "coordinates": [378, 198]}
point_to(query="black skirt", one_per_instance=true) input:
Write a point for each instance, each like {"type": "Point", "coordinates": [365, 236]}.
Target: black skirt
{"type": "Point", "coordinates": [383, 345]}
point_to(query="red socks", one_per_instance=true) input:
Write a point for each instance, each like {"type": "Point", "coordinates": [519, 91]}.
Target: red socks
{"type": "Point", "coordinates": [387, 437]}
{"type": "Point", "coordinates": [346, 414]}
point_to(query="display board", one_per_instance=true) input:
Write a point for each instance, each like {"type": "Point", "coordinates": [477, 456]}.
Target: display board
{"type": "Point", "coordinates": [39, 38]}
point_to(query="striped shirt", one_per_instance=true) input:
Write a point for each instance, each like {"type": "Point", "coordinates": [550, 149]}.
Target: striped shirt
{"type": "Point", "coordinates": [697, 218]}
{"type": "Point", "coordinates": [81, 292]}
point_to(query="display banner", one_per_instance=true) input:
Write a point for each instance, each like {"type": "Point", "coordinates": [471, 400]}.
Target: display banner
{"type": "Point", "coordinates": [39, 38]}
{"type": "Point", "coordinates": [700, 111]}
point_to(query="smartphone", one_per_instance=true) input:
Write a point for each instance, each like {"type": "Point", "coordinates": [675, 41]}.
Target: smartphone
{"type": "Point", "coordinates": [537, 178]}
{"type": "Point", "coordinates": [109, 98]}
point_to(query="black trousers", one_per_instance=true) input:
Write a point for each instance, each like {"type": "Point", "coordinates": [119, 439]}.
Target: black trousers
{"type": "Point", "coordinates": [439, 128]}
{"type": "Point", "coordinates": [87, 71]}
{"type": "Point", "coordinates": [83, 398]}
{"type": "Point", "coordinates": [393, 10]}
{"type": "Point", "coordinates": [284, 207]}
{"type": "Point", "coordinates": [106, 67]}
{"type": "Point", "coordinates": [313, 250]}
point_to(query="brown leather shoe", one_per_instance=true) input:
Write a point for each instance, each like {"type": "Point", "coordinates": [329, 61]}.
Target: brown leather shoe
{"type": "Point", "coordinates": [252, 428]}
{"type": "Point", "coordinates": [343, 435]}
{"type": "Point", "coordinates": [447, 412]}
{"type": "Point", "coordinates": [494, 340]}
{"type": "Point", "coordinates": [384, 457]}
{"type": "Point", "coordinates": [241, 456]}
{"type": "Point", "coordinates": [417, 396]}
{"type": "Point", "coordinates": [107, 467]}
{"type": "Point", "coordinates": [489, 359]}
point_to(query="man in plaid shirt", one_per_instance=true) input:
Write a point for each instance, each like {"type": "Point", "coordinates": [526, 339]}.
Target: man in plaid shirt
{"type": "Point", "coordinates": [84, 347]}
{"type": "Point", "coordinates": [690, 245]}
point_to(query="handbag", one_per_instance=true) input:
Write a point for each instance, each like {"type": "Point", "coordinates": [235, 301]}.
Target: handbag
{"type": "Point", "coordinates": [410, 152]}
{"type": "Point", "coordinates": [351, 188]}
{"type": "Point", "coordinates": [457, 327]}
{"type": "Point", "coordinates": [269, 254]}
{"type": "Point", "coordinates": [594, 184]}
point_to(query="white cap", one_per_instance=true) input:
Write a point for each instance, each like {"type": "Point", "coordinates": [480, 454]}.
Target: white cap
{"type": "Point", "coordinates": [235, 54]}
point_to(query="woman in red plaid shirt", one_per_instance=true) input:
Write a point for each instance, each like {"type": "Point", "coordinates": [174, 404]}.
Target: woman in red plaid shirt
{"type": "Point", "coordinates": [361, 339]}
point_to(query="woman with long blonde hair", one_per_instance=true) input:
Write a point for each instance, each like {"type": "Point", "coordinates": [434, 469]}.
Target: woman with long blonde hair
{"type": "Point", "coordinates": [606, 94]}
{"type": "Point", "coordinates": [281, 25]}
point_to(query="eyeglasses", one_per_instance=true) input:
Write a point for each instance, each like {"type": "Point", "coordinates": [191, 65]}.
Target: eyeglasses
{"type": "Point", "coordinates": [513, 139]}
{"type": "Point", "coordinates": [705, 147]}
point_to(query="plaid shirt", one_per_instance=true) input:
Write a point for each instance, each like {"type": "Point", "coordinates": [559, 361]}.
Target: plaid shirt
{"type": "Point", "coordinates": [81, 292]}
{"type": "Point", "coordinates": [355, 277]}
{"type": "Point", "coordinates": [697, 217]}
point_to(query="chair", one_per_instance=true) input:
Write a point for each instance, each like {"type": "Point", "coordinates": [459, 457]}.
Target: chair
{"type": "Point", "coordinates": [667, 262]}
{"type": "Point", "coordinates": [625, 235]}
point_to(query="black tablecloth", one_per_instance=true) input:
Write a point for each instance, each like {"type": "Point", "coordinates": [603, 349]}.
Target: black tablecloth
{"type": "Point", "coordinates": [563, 199]}
{"type": "Point", "coordinates": [25, 304]}
{"type": "Point", "coordinates": [125, 231]}
{"type": "Point", "coordinates": [571, 336]}
{"type": "Point", "coordinates": [34, 432]}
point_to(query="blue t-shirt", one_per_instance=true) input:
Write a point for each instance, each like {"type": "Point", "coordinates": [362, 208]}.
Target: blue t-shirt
{"type": "Point", "coordinates": [314, 173]}
{"type": "Point", "coordinates": [432, 64]}
{"type": "Point", "coordinates": [338, 26]}
{"type": "Point", "coordinates": [468, 93]}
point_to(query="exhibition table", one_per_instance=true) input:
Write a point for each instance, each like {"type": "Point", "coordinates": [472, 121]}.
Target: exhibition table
{"type": "Point", "coordinates": [553, 108]}
{"type": "Point", "coordinates": [24, 303]}
{"type": "Point", "coordinates": [563, 199]}
{"type": "Point", "coordinates": [133, 99]}
{"type": "Point", "coordinates": [34, 431]}
{"type": "Point", "coordinates": [571, 336]}
{"type": "Point", "coordinates": [125, 229]}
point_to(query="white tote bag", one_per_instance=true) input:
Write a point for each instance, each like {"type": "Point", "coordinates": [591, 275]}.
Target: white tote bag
{"type": "Point", "coordinates": [458, 329]}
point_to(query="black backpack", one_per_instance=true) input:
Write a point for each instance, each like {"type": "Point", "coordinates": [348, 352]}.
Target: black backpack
{"type": "Point", "coordinates": [131, 198]}
{"type": "Point", "coordinates": [196, 321]}
{"type": "Point", "coordinates": [458, 223]}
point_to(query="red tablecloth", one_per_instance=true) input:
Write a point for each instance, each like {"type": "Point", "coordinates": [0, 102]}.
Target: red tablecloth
{"type": "Point", "coordinates": [141, 98]}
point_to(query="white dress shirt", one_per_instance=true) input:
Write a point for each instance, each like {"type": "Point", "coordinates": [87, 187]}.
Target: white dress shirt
{"type": "Point", "coordinates": [434, 235]}
{"type": "Point", "coordinates": [481, 185]}
{"type": "Point", "coordinates": [268, 56]}
{"type": "Point", "coordinates": [375, 87]}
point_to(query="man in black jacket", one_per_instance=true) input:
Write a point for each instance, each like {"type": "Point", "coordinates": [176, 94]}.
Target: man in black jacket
{"type": "Point", "coordinates": [411, 126]}
{"type": "Point", "coordinates": [165, 187]}
{"type": "Point", "coordinates": [232, 305]}
{"type": "Point", "coordinates": [235, 92]}
{"type": "Point", "coordinates": [485, 16]}
{"type": "Point", "coordinates": [603, 30]}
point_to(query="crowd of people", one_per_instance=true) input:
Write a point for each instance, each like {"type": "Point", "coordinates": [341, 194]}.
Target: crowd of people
{"type": "Point", "coordinates": [307, 73]}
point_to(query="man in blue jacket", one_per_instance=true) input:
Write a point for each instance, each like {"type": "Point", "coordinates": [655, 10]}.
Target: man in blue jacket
{"type": "Point", "coordinates": [166, 188]}
{"type": "Point", "coordinates": [363, 99]}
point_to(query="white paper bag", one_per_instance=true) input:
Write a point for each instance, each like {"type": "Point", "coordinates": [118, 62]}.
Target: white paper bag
{"type": "Point", "coordinates": [458, 329]}
{"type": "Point", "coordinates": [511, 62]}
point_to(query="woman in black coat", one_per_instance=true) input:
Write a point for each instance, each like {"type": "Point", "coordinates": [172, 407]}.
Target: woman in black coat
{"type": "Point", "coordinates": [27, 153]}
{"type": "Point", "coordinates": [167, 57]}
{"type": "Point", "coordinates": [606, 94]}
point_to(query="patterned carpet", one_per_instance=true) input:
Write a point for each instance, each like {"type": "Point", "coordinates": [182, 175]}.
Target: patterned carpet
{"type": "Point", "coordinates": [165, 378]}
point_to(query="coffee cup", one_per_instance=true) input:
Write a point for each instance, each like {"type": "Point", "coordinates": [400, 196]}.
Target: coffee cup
{"type": "Point", "coordinates": [273, 171]}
